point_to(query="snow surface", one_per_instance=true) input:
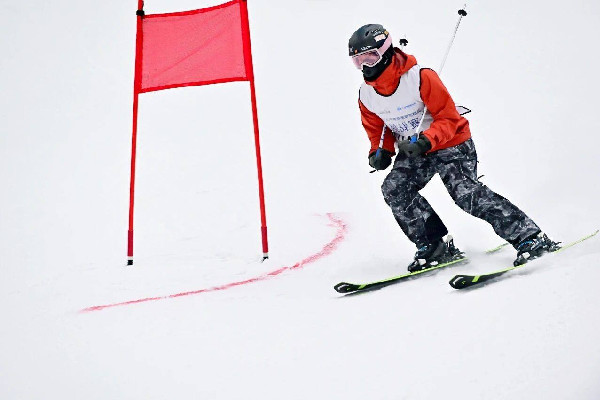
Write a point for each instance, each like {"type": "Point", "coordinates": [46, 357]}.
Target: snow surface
{"type": "Point", "coordinates": [528, 69]}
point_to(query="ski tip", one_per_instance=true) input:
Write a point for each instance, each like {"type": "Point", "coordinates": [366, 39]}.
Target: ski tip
{"type": "Point", "coordinates": [345, 287]}
{"type": "Point", "coordinates": [461, 281]}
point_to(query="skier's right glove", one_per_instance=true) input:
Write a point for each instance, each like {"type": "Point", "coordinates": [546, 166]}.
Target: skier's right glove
{"type": "Point", "coordinates": [380, 161]}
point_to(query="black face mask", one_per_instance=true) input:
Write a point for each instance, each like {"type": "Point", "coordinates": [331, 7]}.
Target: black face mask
{"type": "Point", "coordinates": [372, 73]}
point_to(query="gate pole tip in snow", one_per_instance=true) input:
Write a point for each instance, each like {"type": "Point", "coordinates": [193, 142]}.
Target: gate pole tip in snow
{"type": "Point", "coordinates": [137, 84]}
{"type": "Point", "coordinates": [250, 74]}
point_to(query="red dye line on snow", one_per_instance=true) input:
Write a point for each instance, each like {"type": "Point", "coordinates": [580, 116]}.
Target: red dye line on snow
{"type": "Point", "coordinates": [324, 252]}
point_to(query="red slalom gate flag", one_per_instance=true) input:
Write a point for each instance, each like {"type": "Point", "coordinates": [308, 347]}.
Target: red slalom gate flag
{"type": "Point", "coordinates": [193, 48]}
{"type": "Point", "coordinates": [196, 47]}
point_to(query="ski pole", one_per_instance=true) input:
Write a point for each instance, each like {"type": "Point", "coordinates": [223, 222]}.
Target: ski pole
{"type": "Point", "coordinates": [462, 13]}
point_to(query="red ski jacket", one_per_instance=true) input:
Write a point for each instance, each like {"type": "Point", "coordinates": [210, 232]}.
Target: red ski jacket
{"type": "Point", "coordinates": [448, 127]}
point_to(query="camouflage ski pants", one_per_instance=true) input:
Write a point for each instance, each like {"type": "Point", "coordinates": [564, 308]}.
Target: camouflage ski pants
{"type": "Point", "coordinates": [457, 167]}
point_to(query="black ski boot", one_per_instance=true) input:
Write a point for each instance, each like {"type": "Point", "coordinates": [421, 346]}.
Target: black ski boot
{"type": "Point", "coordinates": [435, 253]}
{"type": "Point", "coordinates": [534, 247]}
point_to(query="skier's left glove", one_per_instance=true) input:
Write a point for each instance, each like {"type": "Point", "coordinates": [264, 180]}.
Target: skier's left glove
{"type": "Point", "coordinates": [410, 149]}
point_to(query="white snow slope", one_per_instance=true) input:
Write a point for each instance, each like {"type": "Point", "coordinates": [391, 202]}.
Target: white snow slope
{"type": "Point", "coordinates": [528, 69]}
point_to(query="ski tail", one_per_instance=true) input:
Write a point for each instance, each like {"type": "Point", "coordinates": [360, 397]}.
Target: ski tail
{"type": "Point", "coordinates": [497, 249]}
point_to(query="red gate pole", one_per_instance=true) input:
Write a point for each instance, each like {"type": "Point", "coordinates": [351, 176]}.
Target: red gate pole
{"type": "Point", "coordinates": [250, 73]}
{"type": "Point", "coordinates": [137, 84]}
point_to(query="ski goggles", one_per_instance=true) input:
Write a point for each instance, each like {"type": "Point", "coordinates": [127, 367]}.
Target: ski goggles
{"type": "Point", "coordinates": [371, 57]}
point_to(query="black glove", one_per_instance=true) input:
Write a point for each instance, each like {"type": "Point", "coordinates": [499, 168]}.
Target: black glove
{"type": "Point", "coordinates": [409, 149]}
{"type": "Point", "coordinates": [380, 161]}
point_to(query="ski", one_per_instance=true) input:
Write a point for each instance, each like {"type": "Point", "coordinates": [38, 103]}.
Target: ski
{"type": "Point", "coordinates": [466, 281]}
{"type": "Point", "coordinates": [497, 249]}
{"type": "Point", "coordinates": [347, 288]}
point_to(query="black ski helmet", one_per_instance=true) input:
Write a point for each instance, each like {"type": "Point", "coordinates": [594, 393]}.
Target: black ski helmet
{"type": "Point", "coordinates": [368, 37]}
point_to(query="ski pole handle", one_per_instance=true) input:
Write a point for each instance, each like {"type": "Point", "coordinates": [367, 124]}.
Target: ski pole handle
{"type": "Point", "coordinates": [415, 137]}
{"type": "Point", "coordinates": [380, 145]}
{"type": "Point", "coordinates": [378, 150]}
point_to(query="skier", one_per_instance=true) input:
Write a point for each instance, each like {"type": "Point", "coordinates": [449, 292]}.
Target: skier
{"type": "Point", "coordinates": [392, 101]}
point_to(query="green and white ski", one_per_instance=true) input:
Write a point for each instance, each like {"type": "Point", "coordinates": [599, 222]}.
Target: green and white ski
{"type": "Point", "coordinates": [497, 249]}
{"type": "Point", "coordinates": [466, 281]}
{"type": "Point", "coordinates": [346, 288]}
